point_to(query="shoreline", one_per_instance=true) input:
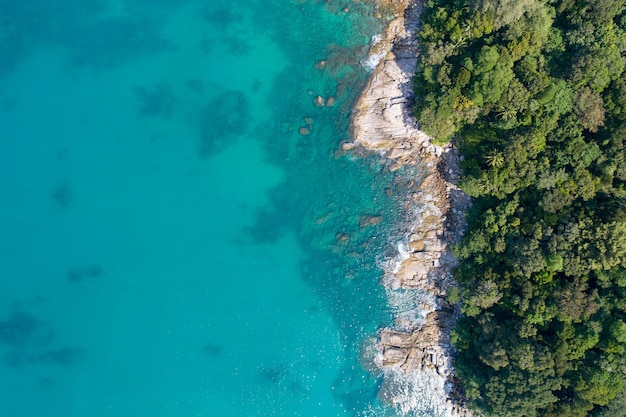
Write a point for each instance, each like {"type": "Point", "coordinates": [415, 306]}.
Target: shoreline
{"type": "Point", "coordinates": [415, 354]}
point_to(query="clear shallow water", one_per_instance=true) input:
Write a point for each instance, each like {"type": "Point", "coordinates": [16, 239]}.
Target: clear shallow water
{"type": "Point", "coordinates": [172, 246]}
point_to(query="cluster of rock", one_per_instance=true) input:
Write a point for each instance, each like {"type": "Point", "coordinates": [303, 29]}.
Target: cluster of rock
{"type": "Point", "coordinates": [383, 122]}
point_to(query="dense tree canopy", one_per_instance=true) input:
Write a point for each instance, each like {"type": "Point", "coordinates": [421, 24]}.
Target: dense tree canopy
{"type": "Point", "coordinates": [534, 93]}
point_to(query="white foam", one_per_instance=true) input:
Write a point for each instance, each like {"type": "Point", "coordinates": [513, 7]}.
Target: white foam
{"type": "Point", "coordinates": [410, 307]}
{"type": "Point", "coordinates": [416, 393]}
{"type": "Point", "coordinates": [375, 54]}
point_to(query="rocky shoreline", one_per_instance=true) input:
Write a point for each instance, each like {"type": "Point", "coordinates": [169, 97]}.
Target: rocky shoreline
{"type": "Point", "coordinates": [415, 355]}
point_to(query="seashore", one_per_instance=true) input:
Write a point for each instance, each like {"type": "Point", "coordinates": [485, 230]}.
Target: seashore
{"type": "Point", "coordinates": [415, 353]}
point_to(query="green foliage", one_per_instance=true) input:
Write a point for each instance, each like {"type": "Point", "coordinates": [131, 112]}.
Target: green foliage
{"type": "Point", "coordinates": [590, 109]}
{"type": "Point", "coordinates": [536, 92]}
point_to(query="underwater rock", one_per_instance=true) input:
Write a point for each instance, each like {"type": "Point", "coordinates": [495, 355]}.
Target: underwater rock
{"type": "Point", "coordinates": [370, 220]}
{"type": "Point", "coordinates": [323, 219]}
{"type": "Point", "coordinates": [304, 131]}
{"type": "Point", "coordinates": [395, 167]}
{"type": "Point", "coordinates": [319, 101]}
{"type": "Point", "coordinates": [330, 101]}
{"type": "Point", "coordinates": [347, 146]}
{"type": "Point", "coordinates": [285, 127]}
{"type": "Point", "coordinates": [320, 65]}
{"type": "Point", "coordinates": [342, 90]}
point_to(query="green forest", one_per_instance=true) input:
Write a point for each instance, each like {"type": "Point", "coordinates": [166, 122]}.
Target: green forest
{"type": "Point", "coordinates": [533, 93]}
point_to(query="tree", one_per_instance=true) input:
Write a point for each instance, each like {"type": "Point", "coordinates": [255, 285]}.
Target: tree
{"type": "Point", "coordinates": [589, 107]}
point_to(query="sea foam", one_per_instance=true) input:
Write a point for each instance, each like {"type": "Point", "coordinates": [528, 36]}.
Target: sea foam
{"type": "Point", "coordinates": [376, 53]}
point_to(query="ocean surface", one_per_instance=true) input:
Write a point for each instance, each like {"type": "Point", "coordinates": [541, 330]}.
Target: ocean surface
{"type": "Point", "coordinates": [180, 234]}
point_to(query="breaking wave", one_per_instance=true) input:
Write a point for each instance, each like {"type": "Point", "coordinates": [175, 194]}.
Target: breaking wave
{"type": "Point", "coordinates": [375, 55]}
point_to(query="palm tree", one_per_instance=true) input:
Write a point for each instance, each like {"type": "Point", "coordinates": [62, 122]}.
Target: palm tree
{"type": "Point", "coordinates": [507, 114]}
{"type": "Point", "coordinates": [495, 158]}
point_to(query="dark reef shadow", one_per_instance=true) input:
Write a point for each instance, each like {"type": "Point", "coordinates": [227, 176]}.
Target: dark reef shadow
{"type": "Point", "coordinates": [273, 374]}
{"type": "Point", "coordinates": [222, 120]}
{"type": "Point", "coordinates": [13, 47]}
{"type": "Point", "coordinates": [20, 359]}
{"type": "Point", "coordinates": [297, 387]}
{"type": "Point", "coordinates": [156, 101]}
{"type": "Point", "coordinates": [220, 16]}
{"type": "Point", "coordinates": [28, 340]}
{"type": "Point", "coordinates": [267, 228]}
{"type": "Point", "coordinates": [62, 195]}
{"type": "Point", "coordinates": [64, 356]}
{"type": "Point", "coordinates": [273, 220]}
{"type": "Point", "coordinates": [109, 43]}
{"type": "Point", "coordinates": [15, 360]}
{"type": "Point", "coordinates": [212, 350]}
{"type": "Point", "coordinates": [19, 329]}
{"type": "Point", "coordinates": [237, 46]}
{"type": "Point", "coordinates": [196, 85]}
{"type": "Point", "coordinates": [85, 273]}
{"type": "Point", "coordinates": [355, 395]}
{"type": "Point", "coordinates": [82, 28]}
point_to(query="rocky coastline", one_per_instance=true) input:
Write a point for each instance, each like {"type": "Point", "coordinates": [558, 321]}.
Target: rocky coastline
{"type": "Point", "coordinates": [415, 354]}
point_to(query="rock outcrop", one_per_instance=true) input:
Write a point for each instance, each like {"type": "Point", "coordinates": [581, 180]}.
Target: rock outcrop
{"type": "Point", "coordinates": [416, 354]}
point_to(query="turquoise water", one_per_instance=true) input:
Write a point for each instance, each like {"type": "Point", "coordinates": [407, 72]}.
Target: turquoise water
{"type": "Point", "coordinates": [172, 245]}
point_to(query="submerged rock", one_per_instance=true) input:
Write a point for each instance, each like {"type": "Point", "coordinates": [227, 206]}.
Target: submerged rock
{"type": "Point", "coordinates": [320, 65]}
{"type": "Point", "coordinates": [370, 221]}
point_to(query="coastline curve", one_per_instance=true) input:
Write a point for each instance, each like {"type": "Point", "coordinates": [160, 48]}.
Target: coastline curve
{"type": "Point", "coordinates": [415, 354]}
